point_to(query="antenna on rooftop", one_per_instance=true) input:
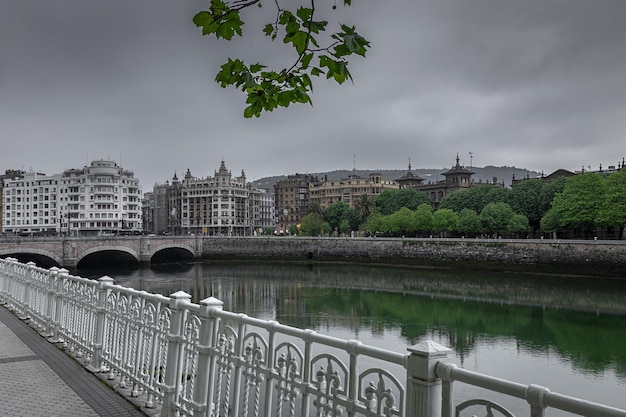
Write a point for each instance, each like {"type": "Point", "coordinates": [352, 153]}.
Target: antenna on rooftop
{"type": "Point", "coordinates": [471, 154]}
{"type": "Point", "coordinates": [354, 163]}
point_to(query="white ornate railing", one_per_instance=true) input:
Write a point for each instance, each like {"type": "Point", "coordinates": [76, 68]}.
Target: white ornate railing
{"type": "Point", "coordinates": [198, 360]}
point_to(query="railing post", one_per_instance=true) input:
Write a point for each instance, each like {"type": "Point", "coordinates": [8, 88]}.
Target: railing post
{"type": "Point", "coordinates": [58, 305]}
{"type": "Point", "coordinates": [28, 279]}
{"type": "Point", "coordinates": [534, 396]}
{"type": "Point", "coordinates": [206, 342]}
{"type": "Point", "coordinates": [4, 280]}
{"type": "Point", "coordinates": [178, 300]}
{"type": "Point", "coordinates": [423, 386]}
{"type": "Point", "coordinates": [104, 288]}
{"type": "Point", "coordinates": [52, 274]}
{"type": "Point", "coordinates": [11, 285]}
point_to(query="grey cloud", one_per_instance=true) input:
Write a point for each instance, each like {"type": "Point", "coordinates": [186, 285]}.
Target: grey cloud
{"type": "Point", "coordinates": [537, 83]}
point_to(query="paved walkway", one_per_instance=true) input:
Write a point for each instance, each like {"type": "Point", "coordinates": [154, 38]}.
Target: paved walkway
{"type": "Point", "coordinates": [38, 379]}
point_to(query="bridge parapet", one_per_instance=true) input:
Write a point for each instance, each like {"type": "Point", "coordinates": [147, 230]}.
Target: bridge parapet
{"type": "Point", "coordinates": [198, 359]}
{"type": "Point", "coordinates": [69, 251]}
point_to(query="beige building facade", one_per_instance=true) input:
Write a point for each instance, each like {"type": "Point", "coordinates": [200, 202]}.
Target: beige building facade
{"type": "Point", "coordinates": [221, 205]}
{"type": "Point", "coordinates": [349, 190]}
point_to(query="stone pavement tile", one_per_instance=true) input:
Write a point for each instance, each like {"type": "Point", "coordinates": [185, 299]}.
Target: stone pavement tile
{"type": "Point", "coordinates": [31, 388]}
{"type": "Point", "coordinates": [10, 345]}
{"type": "Point", "coordinates": [42, 380]}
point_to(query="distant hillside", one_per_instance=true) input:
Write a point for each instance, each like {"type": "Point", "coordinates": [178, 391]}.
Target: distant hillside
{"type": "Point", "coordinates": [485, 174]}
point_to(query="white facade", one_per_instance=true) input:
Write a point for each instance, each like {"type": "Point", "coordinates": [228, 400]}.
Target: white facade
{"type": "Point", "coordinates": [30, 204]}
{"type": "Point", "coordinates": [262, 210]}
{"type": "Point", "coordinates": [101, 199]}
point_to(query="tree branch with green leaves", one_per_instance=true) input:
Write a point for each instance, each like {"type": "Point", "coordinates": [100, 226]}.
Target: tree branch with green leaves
{"type": "Point", "coordinates": [267, 89]}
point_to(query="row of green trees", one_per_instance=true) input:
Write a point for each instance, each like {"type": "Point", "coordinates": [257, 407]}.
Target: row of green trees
{"type": "Point", "coordinates": [589, 201]}
{"type": "Point", "coordinates": [582, 202]}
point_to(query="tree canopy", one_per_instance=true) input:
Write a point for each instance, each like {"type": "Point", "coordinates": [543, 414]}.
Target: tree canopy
{"type": "Point", "coordinates": [316, 52]}
{"type": "Point", "coordinates": [613, 213]}
{"type": "Point", "coordinates": [474, 198]}
{"type": "Point", "coordinates": [495, 217]}
{"type": "Point", "coordinates": [341, 217]}
{"type": "Point", "coordinates": [390, 201]}
{"type": "Point", "coordinates": [579, 205]}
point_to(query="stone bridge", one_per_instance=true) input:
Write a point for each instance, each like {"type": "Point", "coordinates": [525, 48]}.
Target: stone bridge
{"type": "Point", "coordinates": [603, 258]}
{"type": "Point", "coordinates": [69, 251]}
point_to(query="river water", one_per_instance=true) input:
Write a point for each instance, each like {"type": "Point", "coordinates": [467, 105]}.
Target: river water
{"type": "Point", "coordinates": [563, 332]}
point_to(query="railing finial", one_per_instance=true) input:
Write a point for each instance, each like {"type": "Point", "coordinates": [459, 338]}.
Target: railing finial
{"type": "Point", "coordinates": [423, 386]}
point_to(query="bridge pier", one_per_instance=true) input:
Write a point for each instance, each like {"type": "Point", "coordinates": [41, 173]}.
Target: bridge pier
{"type": "Point", "coordinates": [69, 263]}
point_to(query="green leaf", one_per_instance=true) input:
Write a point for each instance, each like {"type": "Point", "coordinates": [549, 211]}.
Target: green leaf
{"type": "Point", "coordinates": [304, 13]}
{"type": "Point", "coordinates": [221, 21]}
{"type": "Point", "coordinates": [341, 50]}
{"type": "Point", "coordinates": [254, 68]}
{"type": "Point", "coordinates": [268, 29]}
{"type": "Point", "coordinates": [343, 72]}
{"type": "Point", "coordinates": [202, 19]}
{"type": "Point", "coordinates": [285, 98]}
{"type": "Point", "coordinates": [316, 71]}
{"type": "Point", "coordinates": [325, 61]}
{"type": "Point", "coordinates": [285, 17]}
{"type": "Point", "coordinates": [298, 40]}
{"type": "Point", "coordinates": [316, 27]}
{"type": "Point", "coordinates": [292, 27]}
{"type": "Point", "coordinates": [218, 7]}
{"type": "Point", "coordinates": [301, 96]}
{"type": "Point", "coordinates": [248, 112]}
{"type": "Point", "coordinates": [248, 80]}
{"type": "Point", "coordinates": [306, 82]}
{"type": "Point", "coordinates": [229, 26]}
{"type": "Point", "coordinates": [306, 59]}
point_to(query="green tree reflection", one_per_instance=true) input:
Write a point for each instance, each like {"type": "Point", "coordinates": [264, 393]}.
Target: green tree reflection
{"type": "Point", "coordinates": [592, 342]}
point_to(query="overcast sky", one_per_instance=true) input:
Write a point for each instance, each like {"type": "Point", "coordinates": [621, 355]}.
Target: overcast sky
{"type": "Point", "coordinates": [535, 84]}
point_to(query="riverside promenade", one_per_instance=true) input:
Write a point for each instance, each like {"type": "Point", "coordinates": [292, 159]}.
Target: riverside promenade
{"type": "Point", "coordinates": [37, 379]}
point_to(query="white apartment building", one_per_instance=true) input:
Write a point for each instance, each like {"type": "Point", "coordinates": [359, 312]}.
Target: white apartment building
{"type": "Point", "coordinates": [30, 204]}
{"type": "Point", "coordinates": [99, 199]}
{"type": "Point", "coordinates": [262, 210]}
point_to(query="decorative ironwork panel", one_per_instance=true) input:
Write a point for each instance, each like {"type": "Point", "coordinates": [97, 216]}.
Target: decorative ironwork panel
{"type": "Point", "coordinates": [288, 365]}
{"type": "Point", "coordinates": [77, 322]}
{"type": "Point", "coordinates": [329, 376]}
{"type": "Point", "coordinates": [226, 357]}
{"type": "Point", "coordinates": [189, 362]}
{"type": "Point", "coordinates": [489, 408]}
{"type": "Point", "coordinates": [381, 393]}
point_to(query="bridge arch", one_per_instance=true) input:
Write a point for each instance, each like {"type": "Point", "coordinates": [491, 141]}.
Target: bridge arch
{"type": "Point", "coordinates": [171, 251]}
{"type": "Point", "coordinates": [130, 253]}
{"type": "Point", "coordinates": [35, 254]}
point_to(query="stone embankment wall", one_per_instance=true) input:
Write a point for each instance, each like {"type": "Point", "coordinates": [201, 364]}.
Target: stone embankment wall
{"type": "Point", "coordinates": [565, 256]}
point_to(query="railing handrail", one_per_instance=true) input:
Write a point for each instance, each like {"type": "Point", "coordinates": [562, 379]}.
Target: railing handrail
{"type": "Point", "coordinates": [312, 336]}
{"type": "Point", "coordinates": [536, 395]}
